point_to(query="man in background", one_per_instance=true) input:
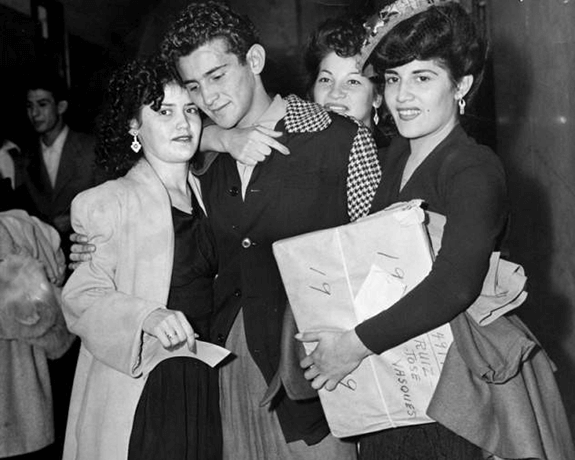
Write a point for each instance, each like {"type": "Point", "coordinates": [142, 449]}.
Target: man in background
{"type": "Point", "coordinates": [59, 164]}
{"type": "Point", "coordinates": [60, 161]}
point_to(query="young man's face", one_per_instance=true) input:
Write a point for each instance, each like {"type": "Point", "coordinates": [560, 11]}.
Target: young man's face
{"type": "Point", "coordinates": [219, 85]}
{"type": "Point", "coordinates": [44, 113]}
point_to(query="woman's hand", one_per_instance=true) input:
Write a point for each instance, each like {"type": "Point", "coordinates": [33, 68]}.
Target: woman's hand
{"type": "Point", "coordinates": [80, 251]}
{"type": "Point", "coordinates": [336, 355]}
{"type": "Point", "coordinates": [249, 145]}
{"type": "Point", "coordinates": [171, 328]}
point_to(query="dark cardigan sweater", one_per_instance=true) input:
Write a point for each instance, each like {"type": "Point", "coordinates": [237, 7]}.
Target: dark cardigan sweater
{"type": "Point", "coordinates": [465, 182]}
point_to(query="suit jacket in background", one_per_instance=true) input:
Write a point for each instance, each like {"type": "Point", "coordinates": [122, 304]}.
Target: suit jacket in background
{"type": "Point", "coordinates": [76, 173]}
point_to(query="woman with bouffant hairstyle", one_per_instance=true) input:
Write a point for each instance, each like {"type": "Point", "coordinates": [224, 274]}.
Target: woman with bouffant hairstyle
{"type": "Point", "coordinates": [431, 58]}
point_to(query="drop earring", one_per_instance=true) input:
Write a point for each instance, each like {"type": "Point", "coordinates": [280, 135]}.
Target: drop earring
{"type": "Point", "coordinates": [135, 146]}
{"type": "Point", "coordinates": [461, 103]}
{"type": "Point", "coordinates": [375, 118]}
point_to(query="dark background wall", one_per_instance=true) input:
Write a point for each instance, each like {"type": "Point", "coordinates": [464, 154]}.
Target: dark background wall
{"type": "Point", "coordinates": [98, 35]}
{"type": "Point", "coordinates": [534, 65]}
{"type": "Point", "coordinates": [22, 53]}
{"type": "Point", "coordinates": [17, 55]}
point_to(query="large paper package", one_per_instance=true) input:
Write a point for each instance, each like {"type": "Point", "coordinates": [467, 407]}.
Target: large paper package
{"type": "Point", "coordinates": [338, 277]}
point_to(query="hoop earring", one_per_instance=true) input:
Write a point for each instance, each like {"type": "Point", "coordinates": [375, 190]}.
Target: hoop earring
{"type": "Point", "coordinates": [461, 103]}
{"type": "Point", "coordinates": [375, 118]}
{"type": "Point", "coordinates": [135, 145]}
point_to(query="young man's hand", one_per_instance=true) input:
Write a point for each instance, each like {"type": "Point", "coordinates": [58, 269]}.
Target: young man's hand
{"type": "Point", "coordinates": [80, 251]}
{"type": "Point", "coordinates": [249, 146]}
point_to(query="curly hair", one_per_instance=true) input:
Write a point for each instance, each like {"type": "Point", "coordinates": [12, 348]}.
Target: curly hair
{"type": "Point", "coordinates": [200, 23]}
{"type": "Point", "coordinates": [138, 83]}
{"type": "Point", "coordinates": [444, 33]}
{"type": "Point", "coordinates": [343, 35]}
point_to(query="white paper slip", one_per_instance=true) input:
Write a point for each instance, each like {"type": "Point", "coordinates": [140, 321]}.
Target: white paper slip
{"type": "Point", "coordinates": [206, 352]}
{"type": "Point", "coordinates": [379, 291]}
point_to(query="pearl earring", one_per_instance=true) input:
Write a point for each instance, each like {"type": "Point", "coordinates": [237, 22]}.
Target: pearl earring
{"type": "Point", "coordinates": [135, 146]}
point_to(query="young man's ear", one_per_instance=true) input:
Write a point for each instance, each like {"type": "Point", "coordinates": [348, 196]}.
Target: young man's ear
{"type": "Point", "coordinates": [256, 58]}
{"type": "Point", "coordinates": [62, 107]}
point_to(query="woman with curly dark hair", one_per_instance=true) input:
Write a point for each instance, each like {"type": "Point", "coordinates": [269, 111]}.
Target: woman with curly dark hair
{"type": "Point", "coordinates": [145, 295]}
{"type": "Point", "coordinates": [335, 82]}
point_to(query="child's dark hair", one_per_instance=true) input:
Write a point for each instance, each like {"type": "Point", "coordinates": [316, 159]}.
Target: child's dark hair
{"type": "Point", "coordinates": [48, 82]}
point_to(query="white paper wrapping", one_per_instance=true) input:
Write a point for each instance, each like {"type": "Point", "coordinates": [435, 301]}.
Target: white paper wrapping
{"type": "Point", "coordinates": [338, 277]}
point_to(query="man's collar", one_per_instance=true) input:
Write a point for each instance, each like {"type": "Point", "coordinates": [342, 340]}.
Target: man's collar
{"type": "Point", "coordinates": [59, 140]}
{"type": "Point", "coordinates": [274, 113]}
{"type": "Point", "coordinates": [305, 117]}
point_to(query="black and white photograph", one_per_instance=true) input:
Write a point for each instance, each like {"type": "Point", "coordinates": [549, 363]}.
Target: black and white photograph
{"type": "Point", "coordinates": [287, 230]}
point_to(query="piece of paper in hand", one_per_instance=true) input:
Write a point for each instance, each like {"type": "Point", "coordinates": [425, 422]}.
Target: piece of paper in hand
{"type": "Point", "coordinates": [209, 353]}
{"type": "Point", "coordinates": [155, 353]}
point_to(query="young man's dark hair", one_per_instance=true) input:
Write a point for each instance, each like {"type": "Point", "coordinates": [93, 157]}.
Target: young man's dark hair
{"type": "Point", "coordinates": [48, 82]}
{"type": "Point", "coordinates": [200, 23]}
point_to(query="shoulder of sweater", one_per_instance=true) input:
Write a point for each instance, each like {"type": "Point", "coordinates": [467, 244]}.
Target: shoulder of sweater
{"type": "Point", "coordinates": [462, 151]}
{"type": "Point", "coordinates": [398, 146]}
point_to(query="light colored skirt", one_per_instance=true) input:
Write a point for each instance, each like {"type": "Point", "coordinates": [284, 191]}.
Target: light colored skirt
{"type": "Point", "coordinates": [251, 432]}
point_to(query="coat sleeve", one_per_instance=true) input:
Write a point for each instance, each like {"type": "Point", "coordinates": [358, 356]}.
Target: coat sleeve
{"type": "Point", "coordinates": [476, 211]}
{"type": "Point", "coordinates": [108, 321]}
